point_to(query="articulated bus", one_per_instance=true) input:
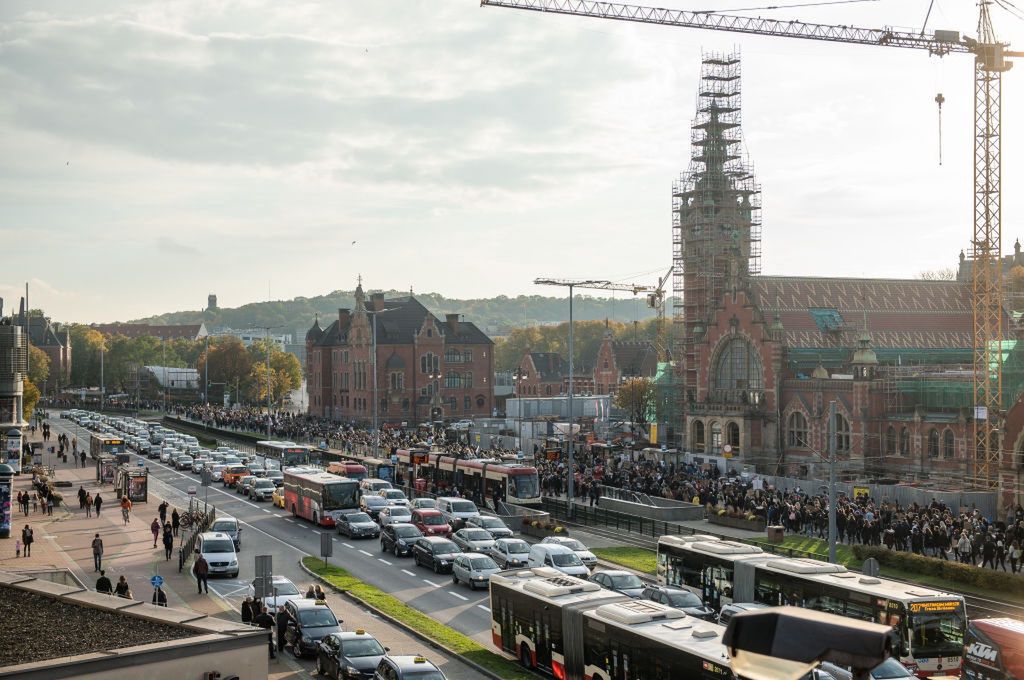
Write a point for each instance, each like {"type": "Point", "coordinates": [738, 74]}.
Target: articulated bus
{"type": "Point", "coordinates": [931, 624]}
{"type": "Point", "coordinates": [348, 468]}
{"type": "Point", "coordinates": [289, 453]}
{"type": "Point", "coordinates": [573, 629]}
{"type": "Point", "coordinates": [318, 496]}
{"type": "Point", "coordinates": [519, 484]}
{"type": "Point", "coordinates": [100, 444]}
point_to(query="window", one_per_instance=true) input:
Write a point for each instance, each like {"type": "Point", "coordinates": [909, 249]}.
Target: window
{"type": "Point", "coordinates": [430, 363]}
{"type": "Point", "coordinates": [948, 444]}
{"type": "Point", "coordinates": [452, 356]}
{"type": "Point", "coordinates": [933, 443]}
{"type": "Point", "coordinates": [716, 437]}
{"type": "Point", "coordinates": [467, 356]}
{"type": "Point", "coordinates": [467, 403]}
{"type": "Point", "coordinates": [732, 435]}
{"type": "Point", "coordinates": [698, 436]}
{"type": "Point", "coordinates": [467, 380]}
{"type": "Point", "coordinates": [796, 430]}
{"type": "Point", "coordinates": [344, 356]}
{"type": "Point", "coordinates": [890, 441]}
{"type": "Point", "coordinates": [904, 442]}
{"type": "Point", "coordinates": [842, 426]}
{"type": "Point", "coordinates": [397, 381]}
{"type": "Point", "coordinates": [737, 367]}
{"type": "Point", "coordinates": [480, 400]}
{"type": "Point", "coordinates": [344, 381]}
{"type": "Point", "coordinates": [452, 379]}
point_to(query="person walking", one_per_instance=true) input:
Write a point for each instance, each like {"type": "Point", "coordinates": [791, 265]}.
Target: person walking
{"type": "Point", "coordinates": [81, 497]}
{"type": "Point", "coordinates": [202, 571]}
{"type": "Point", "coordinates": [163, 513]}
{"type": "Point", "coordinates": [282, 626]}
{"type": "Point", "coordinates": [97, 553]}
{"type": "Point", "coordinates": [88, 504]}
{"type": "Point", "coordinates": [103, 584]}
{"type": "Point", "coordinates": [126, 509]}
{"type": "Point", "coordinates": [82, 456]}
{"type": "Point", "coordinates": [98, 503]}
{"type": "Point", "coordinates": [247, 610]}
{"type": "Point", "coordinates": [159, 597]}
{"type": "Point", "coordinates": [27, 539]}
{"type": "Point", "coordinates": [49, 506]}
{"type": "Point", "coordinates": [264, 621]}
{"type": "Point", "coordinates": [168, 541]}
{"type": "Point", "coordinates": [122, 589]}
{"type": "Point", "coordinates": [1014, 555]}
{"type": "Point", "coordinates": [175, 521]}
{"type": "Point", "coordinates": [155, 530]}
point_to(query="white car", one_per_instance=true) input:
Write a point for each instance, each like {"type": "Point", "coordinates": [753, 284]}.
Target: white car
{"type": "Point", "coordinates": [394, 497]}
{"type": "Point", "coordinates": [285, 592]}
{"type": "Point", "coordinates": [394, 514]}
{"type": "Point", "coordinates": [462, 425]}
{"type": "Point", "coordinates": [588, 558]}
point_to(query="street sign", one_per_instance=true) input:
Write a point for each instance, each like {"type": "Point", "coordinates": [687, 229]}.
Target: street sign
{"type": "Point", "coordinates": [870, 567]}
{"type": "Point", "coordinates": [326, 545]}
{"type": "Point", "coordinates": [157, 580]}
{"type": "Point", "coordinates": [191, 491]}
{"type": "Point", "coordinates": [264, 581]}
{"type": "Point", "coordinates": [207, 476]}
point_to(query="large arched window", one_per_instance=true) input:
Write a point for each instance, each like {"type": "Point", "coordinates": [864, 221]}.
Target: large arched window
{"type": "Point", "coordinates": [796, 430]}
{"type": "Point", "coordinates": [737, 367]}
{"type": "Point", "coordinates": [716, 437]}
{"type": "Point", "coordinates": [452, 380]}
{"type": "Point", "coordinates": [842, 426]}
{"type": "Point", "coordinates": [904, 442]}
{"type": "Point", "coordinates": [732, 435]}
{"type": "Point", "coordinates": [948, 444]}
{"type": "Point", "coordinates": [890, 441]}
{"type": "Point", "coordinates": [933, 443]}
{"type": "Point", "coordinates": [697, 442]}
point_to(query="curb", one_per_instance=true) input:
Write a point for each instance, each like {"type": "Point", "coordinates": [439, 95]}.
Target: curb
{"type": "Point", "coordinates": [401, 624]}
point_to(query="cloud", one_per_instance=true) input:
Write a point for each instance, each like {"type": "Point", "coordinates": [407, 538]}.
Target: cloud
{"type": "Point", "coordinates": [171, 247]}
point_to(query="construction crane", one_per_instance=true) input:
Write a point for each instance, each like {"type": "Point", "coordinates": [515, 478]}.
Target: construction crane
{"type": "Point", "coordinates": [991, 60]}
{"type": "Point", "coordinates": [656, 301]}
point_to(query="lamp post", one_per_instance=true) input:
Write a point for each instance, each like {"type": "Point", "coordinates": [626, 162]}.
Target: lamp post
{"type": "Point", "coordinates": [434, 376]}
{"type": "Point", "coordinates": [266, 339]}
{"type": "Point", "coordinates": [518, 376]}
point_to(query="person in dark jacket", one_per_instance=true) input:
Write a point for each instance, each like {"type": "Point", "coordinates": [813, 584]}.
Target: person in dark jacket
{"type": "Point", "coordinates": [27, 539]}
{"type": "Point", "coordinates": [266, 622]}
{"type": "Point", "coordinates": [175, 521]}
{"type": "Point", "coordinates": [159, 597]}
{"type": "Point", "coordinates": [98, 504]}
{"type": "Point", "coordinates": [168, 541]}
{"type": "Point", "coordinates": [282, 626]}
{"type": "Point", "coordinates": [122, 589]}
{"type": "Point", "coordinates": [247, 610]}
{"type": "Point", "coordinates": [103, 584]}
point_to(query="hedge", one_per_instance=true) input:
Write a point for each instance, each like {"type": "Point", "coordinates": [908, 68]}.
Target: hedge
{"type": "Point", "coordinates": [949, 570]}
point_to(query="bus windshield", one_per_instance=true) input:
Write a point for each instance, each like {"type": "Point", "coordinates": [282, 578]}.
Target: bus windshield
{"type": "Point", "coordinates": [337, 496]}
{"type": "Point", "coordinates": [935, 632]}
{"type": "Point", "coordinates": [526, 486]}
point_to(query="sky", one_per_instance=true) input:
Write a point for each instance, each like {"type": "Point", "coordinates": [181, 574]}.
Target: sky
{"type": "Point", "coordinates": [157, 151]}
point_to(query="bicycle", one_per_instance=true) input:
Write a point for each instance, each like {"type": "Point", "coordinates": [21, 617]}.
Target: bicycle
{"type": "Point", "coordinates": [194, 517]}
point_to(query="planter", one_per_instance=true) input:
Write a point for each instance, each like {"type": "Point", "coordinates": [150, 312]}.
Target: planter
{"type": "Point", "coordinates": [757, 525]}
{"type": "Point", "coordinates": [539, 532]}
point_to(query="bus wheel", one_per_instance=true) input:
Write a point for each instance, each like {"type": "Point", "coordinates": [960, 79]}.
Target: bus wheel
{"type": "Point", "coordinates": [524, 656]}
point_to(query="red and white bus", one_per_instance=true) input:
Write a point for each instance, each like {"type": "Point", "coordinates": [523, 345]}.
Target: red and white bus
{"type": "Point", "coordinates": [318, 496]}
{"type": "Point", "coordinates": [347, 468]}
{"type": "Point", "coordinates": [519, 484]}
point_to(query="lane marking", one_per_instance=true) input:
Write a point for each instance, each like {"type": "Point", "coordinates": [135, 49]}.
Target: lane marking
{"type": "Point", "coordinates": [461, 597]}
{"type": "Point", "coordinates": [366, 553]}
{"type": "Point", "coordinates": [265, 510]}
{"type": "Point", "coordinates": [486, 609]}
{"type": "Point", "coordinates": [349, 546]}
{"type": "Point", "coordinates": [406, 571]}
{"type": "Point", "coordinates": [379, 559]}
{"type": "Point", "coordinates": [436, 585]}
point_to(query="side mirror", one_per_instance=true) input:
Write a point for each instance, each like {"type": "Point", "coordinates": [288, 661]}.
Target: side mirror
{"type": "Point", "coordinates": [387, 649]}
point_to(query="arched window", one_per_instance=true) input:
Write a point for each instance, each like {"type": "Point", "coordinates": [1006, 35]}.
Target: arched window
{"type": "Point", "coordinates": [732, 435]}
{"type": "Point", "coordinates": [904, 442]}
{"type": "Point", "coordinates": [716, 437]}
{"type": "Point", "coordinates": [452, 380]}
{"type": "Point", "coordinates": [452, 356]}
{"type": "Point", "coordinates": [890, 441]}
{"type": "Point", "coordinates": [698, 436]}
{"type": "Point", "coordinates": [796, 430]}
{"type": "Point", "coordinates": [842, 426]}
{"type": "Point", "coordinates": [933, 443]}
{"type": "Point", "coordinates": [948, 444]}
{"type": "Point", "coordinates": [467, 380]}
{"type": "Point", "coordinates": [737, 367]}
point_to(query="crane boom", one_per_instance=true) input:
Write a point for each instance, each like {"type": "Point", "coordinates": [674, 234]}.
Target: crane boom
{"type": "Point", "coordinates": [939, 42]}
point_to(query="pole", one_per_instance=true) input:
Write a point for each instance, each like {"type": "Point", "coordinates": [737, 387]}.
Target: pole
{"type": "Point", "coordinates": [163, 360]}
{"type": "Point", "coordinates": [572, 438]}
{"type": "Point", "coordinates": [266, 337]}
{"type": "Point", "coordinates": [832, 482]}
{"type": "Point", "coordinates": [103, 389]}
{"type": "Point", "coordinates": [376, 428]}
{"type": "Point", "coordinates": [206, 378]}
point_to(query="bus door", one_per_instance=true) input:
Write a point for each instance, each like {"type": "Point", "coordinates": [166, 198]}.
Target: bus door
{"type": "Point", "coordinates": [508, 633]}
{"type": "Point", "coordinates": [542, 626]}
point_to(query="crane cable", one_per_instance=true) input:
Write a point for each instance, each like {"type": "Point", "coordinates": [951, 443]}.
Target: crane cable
{"type": "Point", "coordinates": [770, 7]}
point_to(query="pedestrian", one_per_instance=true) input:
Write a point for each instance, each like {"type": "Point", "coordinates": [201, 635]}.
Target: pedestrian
{"type": "Point", "coordinates": [35, 501]}
{"type": "Point", "coordinates": [97, 553]}
{"type": "Point", "coordinates": [202, 571]}
{"type": "Point", "coordinates": [264, 621]}
{"type": "Point", "coordinates": [82, 456]}
{"type": "Point", "coordinates": [88, 504]}
{"type": "Point", "coordinates": [247, 610]}
{"type": "Point", "coordinates": [163, 512]}
{"type": "Point", "coordinates": [98, 503]}
{"type": "Point", "coordinates": [1015, 555]}
{"type": "Point", "coordinates": [103, 584]}
{"type": "Point", "coordinates": [319, 593]}
{"type": "Point", "coordinates": [49, 506]}
{"type": "Point", "coordinates": [126, 509]}
{"type": "Point", "coordinates": [159, 597]}
{"type": "Point", "coordinates": [155, 530]}
{"type": "Point", "coordinates": [175, 521]}
{"type": "Point", "coordinates": [168, 541]}
{"type": "Point", "coordinates": [81, 497]}
{"type": "Point", "coordinates": [17, 547]}
{"type": "Point", "coordinates": [122, 589]}
{"type": "Point", "coordinates": [282, 626]}
{"type": "Point", "coordinates": [311, 593]}
{"type": "Point", "coordinates": [27, 539]}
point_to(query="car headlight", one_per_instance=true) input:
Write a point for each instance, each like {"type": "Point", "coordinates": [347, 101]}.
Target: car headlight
{"type": "Point", "coordinates": [306, 640]}
{"type": "Point", "coordinates": [444, 562]}
{"type": "Point", "coordinates": [353, 671]}
{"type": "Point", "coordinates": [401, 542]}
{"type": "Point", "coordinates": [234, 563]}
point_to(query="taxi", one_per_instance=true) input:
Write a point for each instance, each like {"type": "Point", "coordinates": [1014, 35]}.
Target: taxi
{"type": "Point", "coordinates": [350, 655]}
{"type": "Point", "coordinates": [407, 668]}
{"type": "Point", "coordinates": [277, 498]}
{"type": "Point", "coordinates": [307, 623]}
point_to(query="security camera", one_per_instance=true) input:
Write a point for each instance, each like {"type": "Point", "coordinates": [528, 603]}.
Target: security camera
{"type": "Point", "coordinates": [785, 643]}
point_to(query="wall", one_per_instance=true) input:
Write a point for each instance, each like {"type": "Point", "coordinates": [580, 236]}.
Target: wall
{"type": "Point", "coordinates": [677, 512]}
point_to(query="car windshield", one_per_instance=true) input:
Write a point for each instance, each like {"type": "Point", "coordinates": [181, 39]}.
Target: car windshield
{"type": "Point", "coordinates": [442, 547]}
{"type": "Point", "coordinates": [890, 668]}
{"type": "Point", "coordinates": [573, 544]}
{"type": "Point", "coordinates": [394, 493]}
{"type": "Point", "coordinates": [627, 581]}
{"type": "Point", "coordinates": [463, 506]}
{"type": "Point", "coordinates": [359, 518]}
{"type": "Point", "coordinates": [517, 547]}
{"type": "Point", "coordinates": [426, 503]}
{"type": "Point", "coordinates": [407, 532]}
{"type": "Point", "coordinates": [481, 563]}
{"type": "Point", "coordinates": [285, 588]}
{"type": "Point", "coordinates": [217, 546]}
{"type": "Point", "coordinates": [492, 523]}
{"type": "Point", "coordinates": [477, 535]}
{"type": "Point", "coordinates": [432, 520]}
{"type": "Point", "coordinates": [684, 600]}
{"type": "Point", "coordinates": [315, 618]}
{"type": "Point", "coordinates": [361, 647]}
{"type": "Point", "coordinates": [374, 500]}
{"type": "Point", "coordinates": [224, 525]}
{"type": "Point", "coordinates": [264, 484]}
{"type": "Point", "coordinates": [566, 560]}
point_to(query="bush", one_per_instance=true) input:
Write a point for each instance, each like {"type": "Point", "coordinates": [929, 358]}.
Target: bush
{"type": "Point", "coordinates": [956, 572]}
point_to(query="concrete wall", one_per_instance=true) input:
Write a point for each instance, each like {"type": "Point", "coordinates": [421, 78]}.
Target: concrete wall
{"type": "Point", "coordinates": [676, 512]}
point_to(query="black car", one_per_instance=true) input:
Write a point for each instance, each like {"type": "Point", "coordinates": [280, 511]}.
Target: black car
{"type": "Point", "coordinates": [435, 552]}
{"type": "Point", "coordinates": [399, 538]}
{"type": "Point", "coordinates": [349, 655]}
{"type": "Point", "coordinates": [357, 525]}
{"type": "Point", "coordinates": [407, 668]}
{"type": "Point", "coordinates": [678, 598]}
{"type": "Point", "coordinates": [307, 623]}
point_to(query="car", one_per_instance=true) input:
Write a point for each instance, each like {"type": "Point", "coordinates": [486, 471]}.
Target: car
{"type": "Point", "coordinates": [423, 504]}
{"type": "Point", "coordinates": [394, 497]}
{"type": "Point", "coordinates": [216, 471]}
{"type": "Point", "coordinates": [431, 523]}
{"type": "Point", "coordinates": [625, 582]}
{"type": "Point", "coordinates": [474, 569]}
{"type": "Point", "coordinates": [284, 590]}
{"type": "Point", "coordinates": [558, 557]}
{"type": "Point", "coordinates": [154, 451]}
{"type": "Point", "coordinates": [510, 553]}
{"type": "Point", "coordinates": [231, 527]}
{"type": "Point", "coordinates": [398, 538]}
{"type": "Point", "coordinates": [357, 525]}
{"type": "Point", "coordinates": [307, 622]}
{"type": "Point", "coordinates": [257, 471]}
{"type": "Point", "coordinates": [407, 668]}
{"type": "Point", "coordinates": [198, 464]}
{"type": "Point", "coordinates": [435, 552]}
{"type": "Point", "coordinates": [588, 558]}
{"type": "Point", "coordinates": [261, 489]}
{"type": "Point", "coordinates": [730, 610]}
{"type": "Point", "coordinates": [277, 498]}
{"type": "Point", "coordinates": [890, 669]}
{"type": "Point", "coordinates": [393, 514]}
{"type": "Point", "coordinates": [371, 485]}
{"type": "Point", "coordinates": [462, 425]}
{"type": "Point", "coordinates": [372, 505]}
{"type": "Point", "coordinates": [473, 540]}
{"type": "Point", "coordinates": [678, 598]}
{"type": "Point", "coordinates": [244, 484]}
{"type": "Point", "coordinates": [183, 462]}
{"type": "Point", "coordinates": [492, 525]}
{"type": "Point", "coordinates": [233, 473]}
{"type": "Point", "coordinates": [349, 655]}
{"type": "Point", "coordinates": [218, 549]}
{"type": "Point", "coordinates": [165, 455]}
{"type": "Point", "coordinates": [276, 476]}
{"type": "Point", "coordinates": [456, 510]}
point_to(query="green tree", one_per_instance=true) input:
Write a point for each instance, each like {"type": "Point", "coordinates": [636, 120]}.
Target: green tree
{"type": "Point", "coordinates": [638, 398]}
{"type": "Point", "coordinates": [230, 362]}
{"type": "Point", "coordinates": [286, 372]}
{"type": "Point", "coordinates": [86, 344]}
{"type": "Point", "coordinates": [31, 397]}
{"type": "Point", "coordinates": [38, 365]}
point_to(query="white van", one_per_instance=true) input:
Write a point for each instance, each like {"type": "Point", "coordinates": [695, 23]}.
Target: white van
{"type": "Point", "coordinates": [218, 549]}
{"type": "Point", "coordinates": [457, 510]}
{"type": "Point", "coordinates": [557, 557]}
{"type": "Point", "coordinates": [371, 485]}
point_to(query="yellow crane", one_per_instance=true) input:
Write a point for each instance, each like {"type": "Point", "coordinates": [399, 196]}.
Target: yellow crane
{"type": "Point", "coordinates": [991, 60]}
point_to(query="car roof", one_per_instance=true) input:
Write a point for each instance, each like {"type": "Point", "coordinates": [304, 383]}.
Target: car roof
{"type": "Point", "coordinates": [411, 662]}
{"type": "Point", "coordinates": [617, 572]}
{"type": "Point", "coordinates": [427, 512]}
{"type": "Point", "coordinates": [510, 539]}
{"type": "Point", "coordinates": [553, 547]}
{"type": "Point", "coordinates": [474, 554]}
{"type": "Point", "coordinates": [354, 635]}
{"type": "Point", "coordinates": [307, 603]}
{"type": "Point", "coordinates": [207, 535]}
{"type": "Point", "coordinates": [436, 539]}
{"type": "Point", "coordinates": [397, 525]}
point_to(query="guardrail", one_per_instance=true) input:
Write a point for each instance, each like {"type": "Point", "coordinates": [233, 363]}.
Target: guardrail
{"type": "Point", "coordinates": [187, 548]}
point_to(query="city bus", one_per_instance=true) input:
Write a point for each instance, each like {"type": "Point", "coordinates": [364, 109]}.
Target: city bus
{"type": "Point", "coordinates": [318, 496]}
{"type": "Point", "coordinates": [931, 624]}
{"type": "Point", "coordinates": [347, 468]}
{"type": "Point", "coordinates": [100, 444]}
{"type": "Point", "coordinates": [519, 484]}
{"type": "Point", "coordinates": [289, 453]}
{"type": "Point", "coordinates": [573, 629]}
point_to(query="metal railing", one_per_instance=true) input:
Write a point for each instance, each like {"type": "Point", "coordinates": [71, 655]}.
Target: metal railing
{"type": "Point", "coordinates": [190, 535]}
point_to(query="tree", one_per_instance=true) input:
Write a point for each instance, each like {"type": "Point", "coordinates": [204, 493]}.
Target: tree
{"type": "Point", "coordinates": [286, 372]}
{"type": "Point", "coordinates": [230, 362]}
{"type": "Point", "coordinates": [86, 344]}
{"type": "Point", "coordinates": [30, 396]}
{"type": "Point", "coordinates": [1017, 279]}
{"type": "Point", "coordinates": [638, 398]}
{"type": "Point", "coordinates": [944, 274]}
{"type": "Point", "coordinates": [38, 365]}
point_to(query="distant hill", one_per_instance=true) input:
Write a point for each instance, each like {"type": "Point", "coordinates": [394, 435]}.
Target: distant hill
{"type": "Point", "coordinates": [496, 316]}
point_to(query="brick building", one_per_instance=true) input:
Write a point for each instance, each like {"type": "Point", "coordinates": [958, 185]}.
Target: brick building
{"type": "Point", "coordinates": [427, 368]}
{"type": "Point", "coordinates": [620, 360]}
{"type": "Point", "coordinates": [52, 339]}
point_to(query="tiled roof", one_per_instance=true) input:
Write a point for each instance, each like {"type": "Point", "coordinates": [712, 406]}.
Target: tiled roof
{"type": "Point", "coordinates": [900, 313]}
{"type": "Point", "coordinates": [550, 365]}
{"type": "Point", "coordinates": [635, 358]}
{"type": "Point", "coordinates": [399, 321]}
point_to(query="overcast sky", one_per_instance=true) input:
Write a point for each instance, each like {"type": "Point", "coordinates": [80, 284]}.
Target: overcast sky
{"type": "Point", "coordinates": [154, 152]}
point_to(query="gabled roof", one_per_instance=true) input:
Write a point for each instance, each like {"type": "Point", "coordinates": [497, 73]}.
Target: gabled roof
{"type": "Point", "coordinates": [550, 365]}
{"type": "Point", "coordinates": [314, 332]}
{"type": "Point", "coordinates": [635, 358]}
{"type": "Point", "coordinates": [398, 322]}
{"type": "Point", "coordinates": [467, 334]}
{"type": "Point", "coordinates": [900, 313]}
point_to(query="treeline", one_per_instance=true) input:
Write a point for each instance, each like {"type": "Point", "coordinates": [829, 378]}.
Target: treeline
{"type": "Point", "coordinates": [587, 339]}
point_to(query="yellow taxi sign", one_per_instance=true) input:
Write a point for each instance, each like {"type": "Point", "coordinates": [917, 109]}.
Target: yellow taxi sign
{"type": "Point", "coordinates": [360, 631]}
{"type": "Point", "coordinates": [419, 659]}
{"type": "Point", "coordinates": [323, 602]}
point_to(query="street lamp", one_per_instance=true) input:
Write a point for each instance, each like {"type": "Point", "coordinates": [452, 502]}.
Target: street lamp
{"type": "Point", "coordinates": [518, 376]}
{"type": "Point", "coordinates": [435, 377]}
{"type": "Point", "coordinates": [266, 339]}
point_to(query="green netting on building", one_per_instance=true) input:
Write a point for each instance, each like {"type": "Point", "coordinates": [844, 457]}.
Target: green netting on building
{"type": "Point", "coordinates": [949, 388]}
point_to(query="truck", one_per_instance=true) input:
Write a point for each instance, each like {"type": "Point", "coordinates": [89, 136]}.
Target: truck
{"type": "Point", "coordinates": [994, 650]}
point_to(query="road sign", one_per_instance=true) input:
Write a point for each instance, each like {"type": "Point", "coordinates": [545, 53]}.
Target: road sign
{"type": "Point", "coordinates": [157, 580]}
{"type": "Point", "coordinates": [870, 567]}
{"type": "Point", "coordinates": [326, 545]}
{"type": "Point", "coordinates": [191, 491]}
{"type": "Point", "coordinates": [264, 581]}
{"type": "Point", "coordinates": [207, 476]}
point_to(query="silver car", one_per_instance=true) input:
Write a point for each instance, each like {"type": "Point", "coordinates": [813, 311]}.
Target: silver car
{"type": "Point", "coordinates": [494, 526]}
{"type": "Point", "coordinates": [262, 489]}
{"type": "Point", "coordinates": [474, 569]}
{"type": "Point", "coordinates": [473, 540]}
{"type": "Point", "coordinates": [510, 553]}
{"type": "Point", "coordinates": [394, 514]}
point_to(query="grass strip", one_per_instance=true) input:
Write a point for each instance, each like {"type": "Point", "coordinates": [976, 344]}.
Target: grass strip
{"type": "Point", "coordinates": [443, 635]}
{"type": "Point", "coordinates": [637, 559]}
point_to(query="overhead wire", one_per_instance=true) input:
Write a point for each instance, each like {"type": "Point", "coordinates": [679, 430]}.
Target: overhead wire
{"type": "Point", "coordinates": [774, 7]}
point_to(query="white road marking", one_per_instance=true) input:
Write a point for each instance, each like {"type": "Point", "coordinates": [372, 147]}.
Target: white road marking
{"type": "Point", "coordinates": [265, 510]}
{"type": "Point", "coordinates": [347, 545]}
{"type": "Point", "coordinates": [384, 561]}
{"type": "Point", "coordinates": [461, 597]}
{"type": "Point", "coordinates": [366, 553]}
{"type": "Point", "coordinates": [436, 585]}
{"type": "Point", "coordinates": [406, 571]}
{"type": "Point", "coordinates": [486, 609]}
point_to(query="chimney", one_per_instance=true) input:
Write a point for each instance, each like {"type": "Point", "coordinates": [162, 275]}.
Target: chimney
{"type": "Point", "coordinates": [453, 322]}
{"type": "Point", "coordinates": [377, 301]}
{"type": "Point", "coordinates": [343, 317]}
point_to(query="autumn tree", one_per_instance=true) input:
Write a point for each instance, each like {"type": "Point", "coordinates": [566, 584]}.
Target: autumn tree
{"type": "Point", "coordinates": [230, 362]}
{"type": "Point", "coordinates": [38, 365]}
{"type": "Point", "coordinates": [638, 398]}
{"type": "Point", "coordinates": [86, 344]}
{"type": "Point", "coordinates": [30, 396]}
{"type": "Point", "coordinates": [285, 372]}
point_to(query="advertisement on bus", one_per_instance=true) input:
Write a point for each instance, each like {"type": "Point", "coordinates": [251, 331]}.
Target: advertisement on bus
{"type": "Point", "coordinates": [994, 650]}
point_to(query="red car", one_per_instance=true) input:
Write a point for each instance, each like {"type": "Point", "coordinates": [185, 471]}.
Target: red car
{"type": "Point", "coordinates": [431, 522]}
